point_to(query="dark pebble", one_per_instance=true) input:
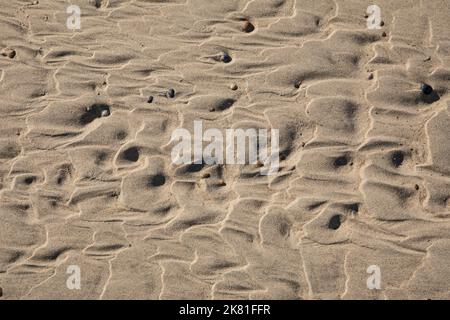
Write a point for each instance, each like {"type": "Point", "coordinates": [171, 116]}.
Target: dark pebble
{"type": "Point", "coordinates": [157, 180]}
{"type": "Point", "coordinates": [131, 154]}
{"type": "Point", "coordinates": [10, 53]}
{"type": "Point", "coordinates": [225, 58]}
{"type": "Point", "coordinates": [426, 89]}
{"type": "Point", "coordinates": [397, 158]}
{"type": "Point", "coordinates": [170, 93]}
{"type": "Point", "coordinates": [384, 34]}
{"type": "Point", "coordinates": [248, 27]}
{"type": "Point", "coordinates": [29, 180]}
{"type": "Point", "coordinates": [341, 161]}
{"type": "Point", "coordinates": [150, 99]}
{"type": "Point", "coordinates": [335, 222]}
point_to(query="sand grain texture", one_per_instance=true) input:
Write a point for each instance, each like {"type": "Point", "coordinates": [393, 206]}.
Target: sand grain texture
{"type": "Point", "coordinates": [86, 176]}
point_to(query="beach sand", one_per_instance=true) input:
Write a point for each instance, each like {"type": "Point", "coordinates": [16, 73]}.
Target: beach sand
{"type": "Point", "coordinates": [360, 206]}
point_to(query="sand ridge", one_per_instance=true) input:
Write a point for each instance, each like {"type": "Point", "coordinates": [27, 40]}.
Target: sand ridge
{"type": "Point", "coordinates": [86, 176]}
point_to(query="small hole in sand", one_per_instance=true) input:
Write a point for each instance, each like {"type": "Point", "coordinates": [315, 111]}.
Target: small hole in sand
{"type": "Point", "coordinates": [131, 154]}
{"type": "Point", "coordinates": [335, 222]}
{"type": "Point", "coordinates": [157, 180]}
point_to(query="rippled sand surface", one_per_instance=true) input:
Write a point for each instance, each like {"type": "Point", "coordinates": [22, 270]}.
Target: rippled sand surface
{"type": "Point", "coordinates": [364, 176]}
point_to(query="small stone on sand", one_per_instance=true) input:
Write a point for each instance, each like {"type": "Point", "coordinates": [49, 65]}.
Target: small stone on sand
{"type": "Point", "coordinates": [225, 58]}
{"type": "Point", "coordinates": [10, 53]}
{"type": "Point", "coordinates": [234, 86]}
{"type": "Point", "coordinates": [426, 89]}
{"type": "Point", "coordinates": [150, 99]}
{"type": "Point", "coordinates": [248, 27]}
{"type": "Point", "coordinates": [335, 222]}
{"type": "Point", "coordinates": [105, 113]}
{"type": "Point", "coordinates": [170, 93]}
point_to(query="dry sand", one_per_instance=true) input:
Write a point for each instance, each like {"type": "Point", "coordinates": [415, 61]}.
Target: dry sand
{"type": "Point", "coordinates": [364, 176]}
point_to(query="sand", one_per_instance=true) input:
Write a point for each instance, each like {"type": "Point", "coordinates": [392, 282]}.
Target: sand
{"type": "Point", "coordinates": [87, 179]}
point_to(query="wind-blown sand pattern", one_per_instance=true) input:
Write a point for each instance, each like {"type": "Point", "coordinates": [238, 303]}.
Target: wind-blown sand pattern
{"type": "Point", "coordinates": [86, 176]}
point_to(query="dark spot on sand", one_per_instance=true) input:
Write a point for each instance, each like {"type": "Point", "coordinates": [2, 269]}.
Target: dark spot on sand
{"type": "Point", "coordinates": [10, 53]}
{"type": "Point", "coordinates": [195, 167]}
{"type": "Point", "coordinates": [284, 229]}
{"type": "Point", "coordinates": [170, 93]}
{"type": "Point", "coordinates": [353, 207]}
{"type": "Point", "coordinates": [150, 99]}
{"type": "Point", "coordinates": [121, 135]}
{"type": "Point", "coordinates": [24, 207]}
{"type": "Point", "coordinates": [225, 58]}
{"type": "Point", "coordinates": [221, 184]}
{"type": "Point", "coordinates": [335, 222]}
{"type": "Point", "coordinates": [416, 187]}
{"type": "Point", "coordinates": [131, 154]}
{"type": "Point", "coordinates": [370, 76]}
{"type": "Point", "coordinates": [397, 158]}
{"type": "Point", "coordinates": [248, 27]}
{"type": "Point", "coordinates": [224, 104]}
{"type": "Point", "coordinates": [101, 156]}
{"type": "Point", "coordinates": [384, 34]}
{"type": "Point", "coordinates": [29, 180]}
{"type": "Point", "coordinates": [1, 292]}
{"type": "Point", "coordinates": [157, 180]}
{"type": "Point", "coordinates": [341, 161]}
{"type": "Point", "coordinates": [97, 110]}
{"type": "Point", "coordinates": [426, 89]}
{"type": "Point", "coordinates": [61, 178]}
{"type": "Point", "coordinates": [114, 194]}
{"type": "Point", "coordinates": [382, 24]}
